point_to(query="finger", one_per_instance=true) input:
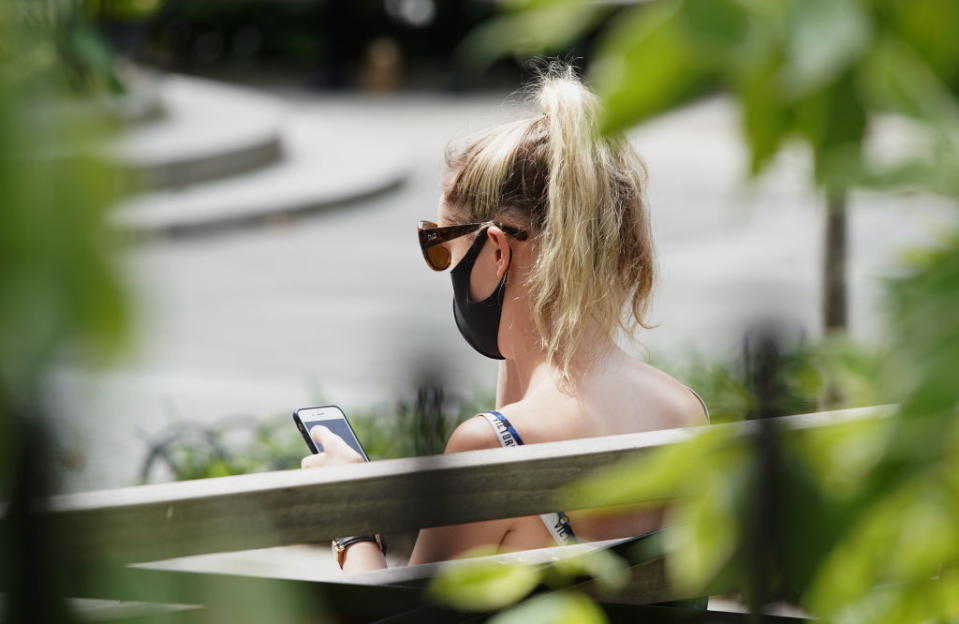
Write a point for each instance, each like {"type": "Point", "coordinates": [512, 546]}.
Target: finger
{"type": "Point", "coordinates": [321, 434]}
{"type": "Point", "coordinates": [313, 461]}
{"type": "Point", "coordinates": [330, 441]}
{"type": "Point", "coordinates": [318, 434]}
{"type": "Point", "coordinates": [334, 444]}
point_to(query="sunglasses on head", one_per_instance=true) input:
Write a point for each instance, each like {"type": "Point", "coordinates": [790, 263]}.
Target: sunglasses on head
{"type": "Point", "coordinates": [433, 239]}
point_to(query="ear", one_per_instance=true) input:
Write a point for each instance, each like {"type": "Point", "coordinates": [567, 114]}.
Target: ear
{"type": "Point", "coordinates": [503, 253]}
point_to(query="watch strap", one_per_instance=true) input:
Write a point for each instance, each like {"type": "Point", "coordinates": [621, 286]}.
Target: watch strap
{"type": "Point", "coordinates": [340, 544]}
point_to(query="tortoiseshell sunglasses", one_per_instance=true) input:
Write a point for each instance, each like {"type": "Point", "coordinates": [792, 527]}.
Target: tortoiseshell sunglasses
{"type": "Point", "coordinates": [432, 239]}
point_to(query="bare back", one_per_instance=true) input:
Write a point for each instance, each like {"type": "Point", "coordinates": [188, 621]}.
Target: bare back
{"type": "Point", "coordinates": [622, 395]}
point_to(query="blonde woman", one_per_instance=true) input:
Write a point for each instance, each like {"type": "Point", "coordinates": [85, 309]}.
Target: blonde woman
{"type": "Point", "coordinates": [545, 226]}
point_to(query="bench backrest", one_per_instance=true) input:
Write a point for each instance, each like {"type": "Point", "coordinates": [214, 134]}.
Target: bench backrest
{"type": "Point", "coordinates": [153, 522]}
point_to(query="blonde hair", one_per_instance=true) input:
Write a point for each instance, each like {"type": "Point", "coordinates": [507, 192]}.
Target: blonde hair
{"type": "Point", "coordinates": [582, 195]}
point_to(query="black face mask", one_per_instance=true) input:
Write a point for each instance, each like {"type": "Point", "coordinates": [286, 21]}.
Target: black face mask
{"type": "Point", "coordinates": [478, 321]}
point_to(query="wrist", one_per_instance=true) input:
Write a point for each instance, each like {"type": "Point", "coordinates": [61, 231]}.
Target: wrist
{"type": "Point", "coordinates": [341, 545]}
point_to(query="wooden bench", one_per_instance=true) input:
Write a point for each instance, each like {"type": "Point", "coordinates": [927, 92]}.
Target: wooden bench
{"type": "Point", "coordinates": [107, 530]}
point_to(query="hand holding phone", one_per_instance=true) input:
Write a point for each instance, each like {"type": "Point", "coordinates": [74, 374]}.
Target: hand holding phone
{"type": "Point", "coordinates": [332, 441]}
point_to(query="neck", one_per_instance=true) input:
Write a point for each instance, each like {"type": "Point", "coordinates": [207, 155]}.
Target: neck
{"type": "Point", "coordinates": [528, 368]}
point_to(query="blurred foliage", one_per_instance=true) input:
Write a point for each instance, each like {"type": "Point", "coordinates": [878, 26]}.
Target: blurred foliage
{"type": "Point", "coordinates": [121, 9]}
{"type": "Point", "coordinates": [820, 71]}
{"type": "Point", "coordinates": [61, 297]}
{"type": "Point", "coordinates": [240, 445]}
{"type": "Point", "coordinates": [838, 534]}
{"type": "Point", "coordinates": [59, 292]}
{"type": "Point", "coordinates": [863, 514]}
{"type": "Point", "coordinates": [422, 425]}
{"type": "Point", "coordinates": [56, 45]}
{"type": "Point", "coordinates": [724, 384]}
{"type": "Point", "coordinates": [565, 607]}
{"type": "Point", "coordinates": [58, 287]}
{"type": "Point", "coordinates": [486, 585]}
{"type": "Point", "coordinates": [190, 450]}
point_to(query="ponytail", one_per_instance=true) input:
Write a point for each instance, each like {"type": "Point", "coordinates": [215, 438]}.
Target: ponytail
{"type": "Point", "coordinates": [582, 195]}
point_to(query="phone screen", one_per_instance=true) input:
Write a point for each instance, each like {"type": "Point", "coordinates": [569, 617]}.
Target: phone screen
{"type": "Point", "coordinates": [333, 419]}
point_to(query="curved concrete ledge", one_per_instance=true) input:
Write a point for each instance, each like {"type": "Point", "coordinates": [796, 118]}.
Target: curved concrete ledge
{"type": "Point", "coordinates": [316, 172]}
{"type": "Point", "coordinates": [226, 156]}
{"type": "Point", "coordinates": [209, 131]}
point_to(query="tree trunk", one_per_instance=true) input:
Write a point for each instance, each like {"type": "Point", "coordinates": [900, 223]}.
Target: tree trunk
{"type": "Point", "coordinates": [835, 315]}
{"type": "Point", "coordinates": [834, 310]}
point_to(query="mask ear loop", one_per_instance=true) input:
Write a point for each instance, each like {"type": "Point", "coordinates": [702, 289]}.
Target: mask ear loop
{"type": "Point", "coordinates": [509, 262]}
{"type": "Point", "coordinates": [501, 287]}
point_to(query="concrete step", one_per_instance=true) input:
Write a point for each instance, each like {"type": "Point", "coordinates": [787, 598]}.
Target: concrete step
{"type": "Point", "coordinates": [322, 165]}
{"type": "Point", "coordinates": [209, 130]}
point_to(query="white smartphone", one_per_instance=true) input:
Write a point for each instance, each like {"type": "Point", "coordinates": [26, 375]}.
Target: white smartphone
{"type": "Point", "coordinates": [331, 417]}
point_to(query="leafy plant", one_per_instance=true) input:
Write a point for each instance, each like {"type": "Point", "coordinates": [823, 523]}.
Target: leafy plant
{"type": "Point", "coordinates": [486, 585]}
{"type": "Point", "coordinates": [60, 294]}
{"type": "Point", "coordinates": [241, 445]}
{"type": "Point", "coordinates": [724, 384]}
{"type": "Point", "coordinates": [61, 297]}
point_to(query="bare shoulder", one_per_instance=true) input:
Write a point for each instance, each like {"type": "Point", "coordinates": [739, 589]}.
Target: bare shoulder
{"type": "Point", "coordinates": [471, 435]}
{"type": "Point", "coordinates": [680, 404]}
{"type": "Point", "coordinates": [477, 433]}
{"type": "Point", "coordinates": [633, 395]}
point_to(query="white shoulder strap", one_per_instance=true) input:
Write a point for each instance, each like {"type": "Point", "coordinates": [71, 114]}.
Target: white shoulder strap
{"type": "Point", "coordinates": [557, 523]}
{"type": "Point", "coordinates": [506, 437]}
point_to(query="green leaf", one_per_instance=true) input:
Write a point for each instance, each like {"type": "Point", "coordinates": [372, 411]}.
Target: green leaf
{"type": "Point", "coordinates": [765, 116]}
{"type": "Point", "coordinates": [610, 572]}
{"type": "Point", "coordinates": [928, 27]}
{"type": "Point", "coordinates": [553, 608]}
{"type": "Point", "coordinates": [825, 38]}
{"type": "Point", "coordinates": [644, 65]}
{"type": "Point", "coordinates": [532, 28]}
{"type": "Point", "coordinates": [842, 456]}
{"type": "Point", "coordinates": [899, 79]}
{"type": "Point", "coordinates": [719, 25]}
{"type": "Point", "coordinates": [895, 78]}
{"type": "Point", "coordinates": [928, 174]}
{"type": "Point", "coordinates": [218, 468]}
{"type": "Point", "coordinates": [702, 533]}
{"type": "Point", "coordinates": [658, 476]}
{"type": "Point", "coordinates": [833, 120]}
{"type": "Point", "coordinates": [931, 539]}
{"type": "Point", "coordinates": [483, 585]}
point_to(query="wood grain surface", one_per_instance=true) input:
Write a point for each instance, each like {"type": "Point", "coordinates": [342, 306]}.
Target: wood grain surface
{"type": "Point", "coordinates": [154, 522]}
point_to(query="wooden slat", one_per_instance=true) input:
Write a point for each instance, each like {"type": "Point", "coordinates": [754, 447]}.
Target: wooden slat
{"type": "Point", "coordinates": [648, 581]}
{"type": "Point", "coordinates": [225, 595]}
{"type": "Point", "coordinates": [416, 575]}
{"type": "Point", "coordinates": [153, 522]}
{"type": "Point", "coordinates": [226, 598]}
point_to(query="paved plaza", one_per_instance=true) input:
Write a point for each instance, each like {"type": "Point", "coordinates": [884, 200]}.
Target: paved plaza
{"type": "Point", "coordinates": [339, 306]}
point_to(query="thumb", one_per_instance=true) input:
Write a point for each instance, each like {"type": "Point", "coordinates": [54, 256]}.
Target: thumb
{"type": "Point", "coordinates": [333, 445]}
{"type": "Point", "coordinates": [327, 440]}
{"type": "Point", "coordinates": [319, 434]}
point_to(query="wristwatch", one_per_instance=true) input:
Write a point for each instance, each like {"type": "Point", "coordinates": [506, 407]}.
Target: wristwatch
{"type": "Point", "coordinates": [340, 544]}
